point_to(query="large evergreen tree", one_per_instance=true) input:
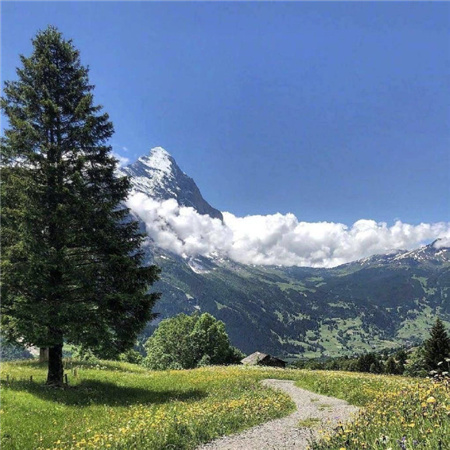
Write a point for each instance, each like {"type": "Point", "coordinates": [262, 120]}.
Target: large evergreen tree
{"type": "Point", "coordinates": [437, 347]}
{"type": "Point", "coordinates": [71, 258]}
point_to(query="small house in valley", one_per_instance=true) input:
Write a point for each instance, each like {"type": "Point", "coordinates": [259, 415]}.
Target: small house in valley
{"type": "Point", "coordinates": [263, 359]}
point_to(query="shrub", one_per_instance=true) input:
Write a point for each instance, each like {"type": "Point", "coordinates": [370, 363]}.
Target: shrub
{"type": "Point", "coordinates": [190, 341]}
{"type": "Point", "coordinates": [131, 356]}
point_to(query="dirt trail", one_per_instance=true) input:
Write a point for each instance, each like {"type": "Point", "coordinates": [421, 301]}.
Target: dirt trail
{"type": "Point", "coordinates": [286, 433]}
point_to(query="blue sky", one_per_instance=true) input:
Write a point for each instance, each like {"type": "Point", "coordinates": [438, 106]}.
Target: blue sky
{"type": "Point", "coordinates": [334, 112]}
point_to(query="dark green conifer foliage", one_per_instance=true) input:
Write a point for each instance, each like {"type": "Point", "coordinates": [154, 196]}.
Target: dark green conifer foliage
{"type": "Point", "coordinates": [391, 366]}
{"type": "Point", "coordinates": [401, 357]}
{"type": "Point", "coordinates": [437, 347]}
{"type": "Point", "coordinates": [71, 260]}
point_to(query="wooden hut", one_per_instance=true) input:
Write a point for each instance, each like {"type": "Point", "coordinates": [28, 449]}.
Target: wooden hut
{"type": "Point", "coordinates": [263, 359]}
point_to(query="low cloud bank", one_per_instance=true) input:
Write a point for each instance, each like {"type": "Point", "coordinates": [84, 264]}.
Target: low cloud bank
{"type": "Point", "coordinates": [275, 239]}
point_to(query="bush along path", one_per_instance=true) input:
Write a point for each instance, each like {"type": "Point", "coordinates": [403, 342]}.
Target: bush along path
{"type": "Point", "coordinates": [314, 412]}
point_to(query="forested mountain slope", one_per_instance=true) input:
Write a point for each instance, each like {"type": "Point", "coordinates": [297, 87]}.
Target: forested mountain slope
{"type": "Point", "coordinates": [380, 301]}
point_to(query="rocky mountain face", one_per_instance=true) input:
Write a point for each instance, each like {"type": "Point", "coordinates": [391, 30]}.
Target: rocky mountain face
{"type": "Point", "coordinates": [158, 176]}
{"type": "Point", "coordinates": [377, 302]}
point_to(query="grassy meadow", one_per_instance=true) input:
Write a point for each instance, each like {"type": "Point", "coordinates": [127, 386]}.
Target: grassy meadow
{"type": "Point", "coordinates": [396, 412]}
{"type": "Point", "coordinates": [124, 406]}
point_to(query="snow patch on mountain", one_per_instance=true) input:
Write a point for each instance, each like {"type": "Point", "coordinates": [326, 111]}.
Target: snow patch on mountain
{"type": "Point", "coordinates": [197, 267]}
{"type": "Point", "coordinates": [158, 160]}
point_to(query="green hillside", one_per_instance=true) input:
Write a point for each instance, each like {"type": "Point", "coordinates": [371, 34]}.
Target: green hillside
{"type": "Point", "coordinates": [381, 302]}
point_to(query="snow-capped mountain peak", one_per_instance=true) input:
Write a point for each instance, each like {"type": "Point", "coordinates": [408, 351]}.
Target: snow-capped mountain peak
{"type": "Point", "coordinates": [158, 176]}
{"type": "Point", "coordinates": [431, 254]}
{"type": "Point", "coordinates": [158, 159]}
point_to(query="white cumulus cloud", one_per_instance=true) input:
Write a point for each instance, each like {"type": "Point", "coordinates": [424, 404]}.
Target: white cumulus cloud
{"type": "Point", "coordinates": [122, 160]}
{"type": "Point", "coordinates": [274, 239]}
{"type": "Point", "coordinates": [444, 241]}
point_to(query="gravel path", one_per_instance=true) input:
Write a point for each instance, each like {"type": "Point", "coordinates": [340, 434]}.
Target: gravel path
{"type": "Point", "coordinates": [287, 433]}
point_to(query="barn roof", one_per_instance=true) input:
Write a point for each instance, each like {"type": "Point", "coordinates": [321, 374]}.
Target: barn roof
{"type": "Point", "coordinates": [254, 358]}
{"type": "Point", "coordinates": [264, 359]}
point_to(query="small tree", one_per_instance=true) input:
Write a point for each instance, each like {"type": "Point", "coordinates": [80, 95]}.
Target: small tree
{"type": "Point", "coordinates": [391, 366]}
{"type": "Point", "coordinates": [415, 365]}
{"type": "Point", "coordinates": [401, 357]}
{"type": "Point", "coordinates": [437, 347]}
{"type": "Point", "coordinates": [368, 363]}
{"type": "Point", "coordinates": [72, 268]}
{"type": "Point", "coordinates": [185, 342]}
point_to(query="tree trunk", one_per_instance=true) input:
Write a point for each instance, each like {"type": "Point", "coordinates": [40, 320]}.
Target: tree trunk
{"type": "Point", "coordinates": [55, 366]}
{"type": "Point", "coordinates": [43, 354]}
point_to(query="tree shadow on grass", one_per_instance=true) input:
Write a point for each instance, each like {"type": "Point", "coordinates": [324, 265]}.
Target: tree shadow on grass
{"type": "Point", "coordinates": [93, 392]}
